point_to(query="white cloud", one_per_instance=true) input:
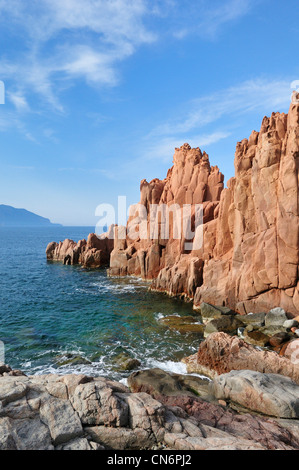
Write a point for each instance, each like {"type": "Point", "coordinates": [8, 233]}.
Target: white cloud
{"type": "Point", "coordinates": [200, 113]}
{"type": "Point", "coordinates": [227, 12]}
{"type": "Point", "coordinates": [164, 148]}
{"type": "Point", "coordinates": [112, 19]}
{"type": "Point", "coordinates": [252, 95]}
{"type": "Point", "coordinates": [207, 19]}
{"type": "Point", "coordinates": [95, 67]}
{"type": "Point", "coordinates": [115, 20]}
{"type": "Point", "coordinates": [19, 101]}
{"type": "Point", "coordinates": [69, 40]}
{"type": "Point", "coordinates": [9, 121]}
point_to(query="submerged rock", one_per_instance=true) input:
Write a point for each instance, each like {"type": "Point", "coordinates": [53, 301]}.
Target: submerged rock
{"type": "Point", "coordinates": [124, 362]}
{"type": "Point", "coordinates": [184, 324]}
{"type": "Point", "coordinates": [70, 360]}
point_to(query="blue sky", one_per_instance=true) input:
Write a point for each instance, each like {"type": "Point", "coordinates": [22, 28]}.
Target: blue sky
{"type": "Point", "coordinates": [100, 92]}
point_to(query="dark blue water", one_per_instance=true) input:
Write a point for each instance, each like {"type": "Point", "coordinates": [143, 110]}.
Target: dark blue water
{"type": "Point", "coordinates": [49, 311]}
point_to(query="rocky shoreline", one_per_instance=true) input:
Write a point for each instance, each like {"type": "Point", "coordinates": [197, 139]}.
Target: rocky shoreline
{"type": "Point", "coordinates": [84, 413]}
{"type": "Point", "coordinates": [247, 398]}
{"type": "Point", "coordinates": [249, 350]}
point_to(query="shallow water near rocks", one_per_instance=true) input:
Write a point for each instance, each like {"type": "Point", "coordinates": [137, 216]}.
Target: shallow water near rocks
{"type": "Point", "coordinates": [50, 312]}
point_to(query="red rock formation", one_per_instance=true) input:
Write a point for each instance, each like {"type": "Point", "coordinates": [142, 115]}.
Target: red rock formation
{"type": "Point", "coordinates": [93, 253]}
{"type": "Point", "coordinates": [164, 260]}
{"type": "Point", "coordinates": [255, 258]}
{"type": "Point", "coordinates": [249, 260]}
{"type": "Point", "coordinates": [250, 254]}
{"type": "Point", "coordinates": [221, 353]}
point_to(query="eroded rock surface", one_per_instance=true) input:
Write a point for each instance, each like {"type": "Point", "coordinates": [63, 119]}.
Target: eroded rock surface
{"type": "Point", "coordinates": [93, 253]}
{"type": "Point", "coordinates": [76, 412]}
{"type": "Point", "coordinates": [221, 426]}
{"type": "Point", "coordinates": [221, 353]}
{"type": "Point", "coordinates": [270, 394]}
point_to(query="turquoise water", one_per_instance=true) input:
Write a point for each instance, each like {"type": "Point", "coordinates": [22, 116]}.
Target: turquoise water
{"type": "Point", "coordinates": [48, 310]}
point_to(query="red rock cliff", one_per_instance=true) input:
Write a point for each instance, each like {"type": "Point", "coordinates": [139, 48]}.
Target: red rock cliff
{"type": "Point", "coordinates": [255, 258]}
{"type": "Point", "coordinates": [249, 259]}
{"type": "Point", "coordinates": [191, 181]}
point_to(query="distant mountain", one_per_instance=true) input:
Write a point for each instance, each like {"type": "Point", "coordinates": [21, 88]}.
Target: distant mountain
{"type": "Point", "coordinates": [12, 217]}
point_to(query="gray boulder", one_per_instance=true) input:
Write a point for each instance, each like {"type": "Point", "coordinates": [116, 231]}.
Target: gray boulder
{"type": "Point", "coordinates": [254, 319]}
{"type": "Point", "coordinates": [276, 318]}
{"type": "Point", "coordinates": [209, 311]}
{"type": "Point", "coordinates": [270, 394]}
{"type": "Point", "coordinates": [290, 324]}
{"type": "Point", "coordinates": [225, 323]}
{"type": "Point", "coordinates": [160, 383]}
{"type": "Point", "coordinates": [76, 412]}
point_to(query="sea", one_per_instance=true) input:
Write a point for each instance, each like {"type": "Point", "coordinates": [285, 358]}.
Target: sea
{"type": "Point", "coordinates": [51, 314]}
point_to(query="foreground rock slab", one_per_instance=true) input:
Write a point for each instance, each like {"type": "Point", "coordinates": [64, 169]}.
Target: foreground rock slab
{"type": "Point", "coordinates": [270, 394]}
{"type": "Point", "coordinates": [160, 384]}
{"type": "Point", "coordinates": [222, 427]}
{"type": "Point", "coordinates": [76, 412]}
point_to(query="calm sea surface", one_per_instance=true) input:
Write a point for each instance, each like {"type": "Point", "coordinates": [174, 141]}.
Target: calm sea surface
{"type": "Point", "coordinates": [49, 312]}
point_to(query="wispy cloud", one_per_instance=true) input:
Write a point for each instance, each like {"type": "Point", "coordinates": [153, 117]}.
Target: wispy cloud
{"type": "Point", "coordinates": [19, 101]}
{"type": "Point", "coordinates": [202, 114]}
{"type": "Point", "coordinates": [10, 121]}
{"type": "Point", "coordinates": [50, 135]}
{"type": "Point", "coordinates": [61, 44]}
{"type": "Point", "coordinates": [65, 41]}
{"type": "Point", "coordinates": [226, 12]}
{"type": "Point", "coordinates": [163, 149]}
{"type": "Point", "coordinates": [252, 95]}
{"type": "Point", "coordinates": [207, 19]}
{"type": "Point", "coordinates": [70, 40]}
{"type": "Point", "coordinates": [95, 171]}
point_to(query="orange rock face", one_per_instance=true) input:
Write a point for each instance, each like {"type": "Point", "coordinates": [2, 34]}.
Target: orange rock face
{"type": "Point", "coordinates": [255, 258]}
{"type": "Point", "coordinates": [164, 259]}
{"type": "Point", "coordinates": [250, 254]}
{"type": "Point", "coordinates": [93, 253]}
